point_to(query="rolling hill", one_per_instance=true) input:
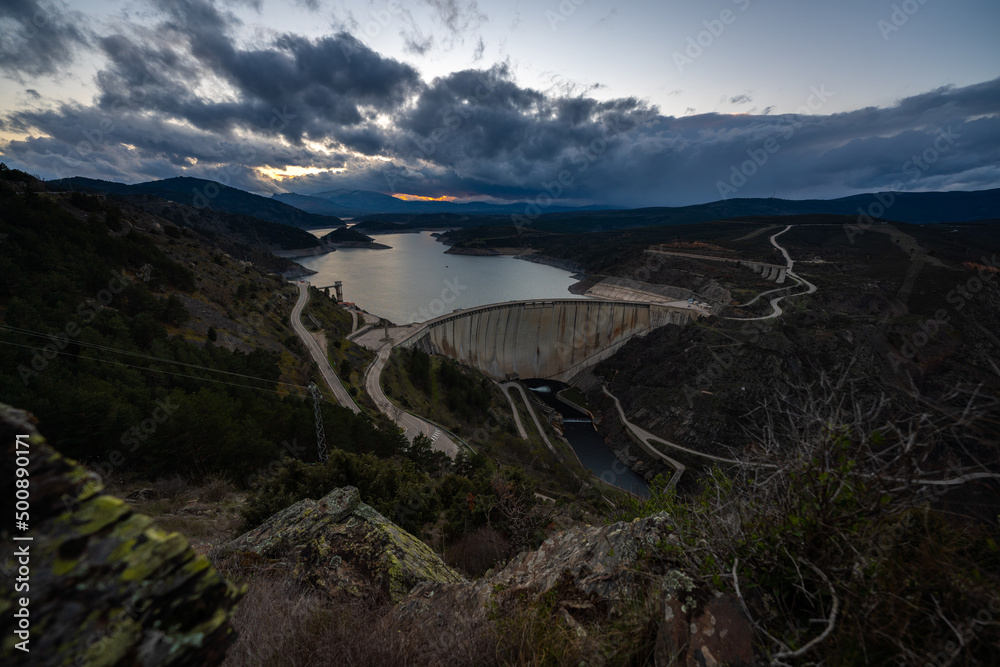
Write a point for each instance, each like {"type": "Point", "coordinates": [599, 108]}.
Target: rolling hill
{"type": "Point", "coordinates": [202, 193]}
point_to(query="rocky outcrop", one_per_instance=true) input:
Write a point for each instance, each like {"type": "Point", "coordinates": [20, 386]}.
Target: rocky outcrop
{"type": "Point", "coordinates": [344, 548]}
{"type": "Point", "coordinates": [102, 585]}
{"type": "Point", "coordinates": [591, 576]}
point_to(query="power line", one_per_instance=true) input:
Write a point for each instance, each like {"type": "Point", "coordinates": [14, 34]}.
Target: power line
{"type": "Point", "coordinates": [156, 370]}
{"type": "Point", "coordinates": [39, 334]}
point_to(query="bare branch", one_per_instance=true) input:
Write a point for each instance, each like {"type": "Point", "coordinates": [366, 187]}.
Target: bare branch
{"type": "Point", "coordinates": [831, 622]}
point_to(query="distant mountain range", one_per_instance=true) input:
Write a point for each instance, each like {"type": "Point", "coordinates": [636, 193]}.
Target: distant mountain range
{"type": "Point", "coordinates": [380, 212]}
{"type": "Point", "coordinates": [202, 193]}
{"type": "Point", "coordinates": [911, 207]}
{"type": "Point", "coordinates": [356, 203]}
{"type": "Point", "coordinates": [915, 208]}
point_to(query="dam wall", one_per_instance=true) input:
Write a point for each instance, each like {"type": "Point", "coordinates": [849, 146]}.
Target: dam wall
{"type": "Point", "coordinates": [553, 339]}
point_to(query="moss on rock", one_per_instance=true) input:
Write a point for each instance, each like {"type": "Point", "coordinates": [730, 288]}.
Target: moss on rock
{"type": "Point", "coordinates": [344, 548]}
{"type": "Point", "coordinates": [106, 587]}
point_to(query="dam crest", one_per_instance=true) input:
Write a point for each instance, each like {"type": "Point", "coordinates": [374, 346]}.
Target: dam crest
{"type": "Point", "coordinates": [552, 339]}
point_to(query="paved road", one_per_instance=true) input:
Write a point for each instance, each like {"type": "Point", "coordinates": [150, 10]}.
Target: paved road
{"type": "Point", "coordinates": [646, 436]}
{"type": "Point", "coordinates": [643, 437]}
{"type": "Point", "coordinates": [800, 281]}
{"type": "Point", "coordinates": [318, 354]}
{"type": "Point", "coordinates": [538, 425]}
{"type": "Point", "coordinates": [411, 424]}
{"type": "Point", "coordinates": [517, 414]}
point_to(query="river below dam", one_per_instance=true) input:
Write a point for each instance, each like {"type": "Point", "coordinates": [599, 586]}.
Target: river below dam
{"type": "Point", "coordinates": [587, 442]}
{"type": "Point", "coordinates": [415, 280]}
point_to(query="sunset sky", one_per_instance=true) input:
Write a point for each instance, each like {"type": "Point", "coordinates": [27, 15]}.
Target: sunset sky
{"type": "Point", "coordinates": [623, 103]}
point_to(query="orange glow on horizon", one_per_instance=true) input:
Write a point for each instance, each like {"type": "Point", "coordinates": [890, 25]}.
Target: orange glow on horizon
{"type": "Point", "coordinates": [406, 197]}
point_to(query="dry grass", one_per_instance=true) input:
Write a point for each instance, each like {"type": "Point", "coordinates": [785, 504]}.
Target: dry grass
{"type": "Point", "coordinates": [205, 512]}
{"type": "Point", "coordinates": [280, 623]}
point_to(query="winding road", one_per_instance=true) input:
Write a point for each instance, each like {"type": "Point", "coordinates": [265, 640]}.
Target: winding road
{"type": "Point", "coordinates": [645, 438]}
{"type": "Point", "coordinates": [317, 353]}
{"type": "Point", "coordinates": [800, 281]}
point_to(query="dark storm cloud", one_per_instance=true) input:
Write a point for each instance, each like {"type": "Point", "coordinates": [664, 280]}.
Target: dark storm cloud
{"type": "Point", "coordinates": [317, 86]}
{"type": "Point", "coordinates": [38, 38]}
{"type": "Point", "coordinates": [131, 147]}
{"type": "Point", "coordinates": [184, 96]}
{"type": "Point", "coordinates": [503, 139]}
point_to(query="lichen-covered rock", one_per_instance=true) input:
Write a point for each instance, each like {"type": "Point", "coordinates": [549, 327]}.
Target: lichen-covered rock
{"type": "Point", "coordinates": [720, 635]}
{"type": "Point", "coordinates": [671, 632]}
{"type": "Point", "coordinates": [585, 571]}
{"type": "Point", "coordinates": [589, 576]}
{"type": "Point", "coordinates": [599, 561]}
{"type": "Point", "coordinates": [104, 587]}
{"type": "Point", "coordinates": [344, 548]}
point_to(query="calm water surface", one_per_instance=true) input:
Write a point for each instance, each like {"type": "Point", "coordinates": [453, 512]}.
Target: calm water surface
{"type": "Point", "coordinates": [415, 280]}
{"type": "Point", "coordinates": [587, 442]}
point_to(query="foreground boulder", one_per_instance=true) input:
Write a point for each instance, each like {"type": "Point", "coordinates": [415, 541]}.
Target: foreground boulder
{"type": "Point", "coordinates": [589, 577]}
{"type": "Point", "coordinates": [104, 587]}
{"type": "Point", "coordinates": [343, 547]}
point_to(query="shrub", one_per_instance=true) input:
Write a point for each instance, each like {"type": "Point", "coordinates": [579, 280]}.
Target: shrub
{"type": "Point", "coordinates": [831, 521]}
{"type": "Point", "coordinates": [476, 553]}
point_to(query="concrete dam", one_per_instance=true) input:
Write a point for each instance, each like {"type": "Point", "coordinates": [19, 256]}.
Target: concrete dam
{"type": "Point", "coordinates": [552, 339]}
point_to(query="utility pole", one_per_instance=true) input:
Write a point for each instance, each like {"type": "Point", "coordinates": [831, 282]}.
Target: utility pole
{"type": "Point", "coordinates": [320, 434]}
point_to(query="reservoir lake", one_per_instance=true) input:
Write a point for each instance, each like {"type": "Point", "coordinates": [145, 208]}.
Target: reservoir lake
{"type": "Point", "coordinates": [416, 281]}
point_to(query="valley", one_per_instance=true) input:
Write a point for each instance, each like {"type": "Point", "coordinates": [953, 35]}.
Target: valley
{"type": "Point", "coordinates": [675, 362]}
